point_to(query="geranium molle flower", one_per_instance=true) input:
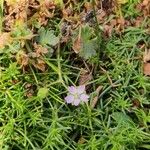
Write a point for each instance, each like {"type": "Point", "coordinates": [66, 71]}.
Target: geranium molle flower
{"type": "Point", "coordinates": [76, 95]}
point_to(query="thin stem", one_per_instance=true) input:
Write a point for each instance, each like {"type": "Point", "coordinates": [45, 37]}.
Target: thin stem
{"type": "Point", "coordinates": [59, 66]}
{"type": "Point", "coordinates": [1, 14]}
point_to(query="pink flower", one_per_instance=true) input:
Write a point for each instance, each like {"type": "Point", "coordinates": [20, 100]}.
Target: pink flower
{"type": "Point", "coordinates": [76, 95]}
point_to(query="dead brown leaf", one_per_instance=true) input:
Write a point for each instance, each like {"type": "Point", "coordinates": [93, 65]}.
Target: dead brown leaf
{"type": "Point", "coordinates": [146, 69]}
{"type": "Point", "coordinates": [29, 94]}
{"type": "Point", "coordinates": [121, 21]}
{"type": "Point", "coordinates": [146, 56]}
{"type": "Point", "coordinates": [49, 4]}
{"type": "Point", "coordinates": [28, 85]}
{"type": "Point", "coordinates": [22, 58]}
{"type": "Point", "coordinates": [77, 44]}
{"type": "Point", "coordinates": [15, 10]}
{"type": "Point", "coordinates": [95, 99]}
{"type": "Point", "coordinates": [85, 77]}
{"type": "Point", "coordinates": [101, 15]}
{"type": "Point", "coordinates": [39, 64]}
{"type": "Point", "coordinates": [146, 59]}
{"type": "Point", "coordinates": [15, 81]}
{"type": "Point", "coordinates": [82, 140]}
{"type": "Point", "coordinates": [107, 4]}
{"type": "Point", "coordinates": [138, 21]}
{"type": "Point", "coordinates": [40, 50]}
{"type": "Point", "coordinates": [29, 90]}
{"type": "Point", "coordinates": [4, 39]}
{"type": "Point", "coordinates": [136, 103]}
{"type": "Point", "coordinates": [146, 7]}
{"type": "Point", "coordinates": [67, 12]}
{"type": "Point", "coordinates": [145, 2]}
{"type": "Point", "coordinates": [108, 30]}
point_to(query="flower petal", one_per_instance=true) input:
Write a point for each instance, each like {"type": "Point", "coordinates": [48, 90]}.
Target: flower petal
{"type": "Point", "coordinates": [76, 102]}
{"type": "Point", "coordinates": [69, 99]}
{"type": "Point", "coordinates": [81, 89]}
{"type": "Point", "coordinates": [72, 90]}
{"type": "Point", "coordinates": [84, 97]}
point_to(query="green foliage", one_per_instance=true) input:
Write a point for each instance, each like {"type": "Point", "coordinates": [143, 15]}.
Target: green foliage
{"type": "Point", "coordinates": [1, 14]}
{"type": "Point", "coordinates": [121, 118]}
{"type": "Point", "coordinates": [129, 8]}
{"type": "Point", "coordinates": [42, 93]}
{"type": "Point", "coordinates": [47, 37]}
{"type": "Point", "coordinates": [89, 40]}
{"type": "Point", "coordinates": [11, 72]}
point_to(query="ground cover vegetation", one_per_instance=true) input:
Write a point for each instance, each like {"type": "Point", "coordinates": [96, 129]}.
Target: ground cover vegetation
{"type": "Point", "coordinates": [74, 74]}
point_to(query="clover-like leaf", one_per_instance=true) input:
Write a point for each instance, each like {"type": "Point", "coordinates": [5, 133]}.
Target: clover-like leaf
{"type": "Point", "coordinates": [47, 37]}
{"type": "Point", "coordinates": [85, 42]}
{"type": "Point", "coordinates": [89, 49]}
